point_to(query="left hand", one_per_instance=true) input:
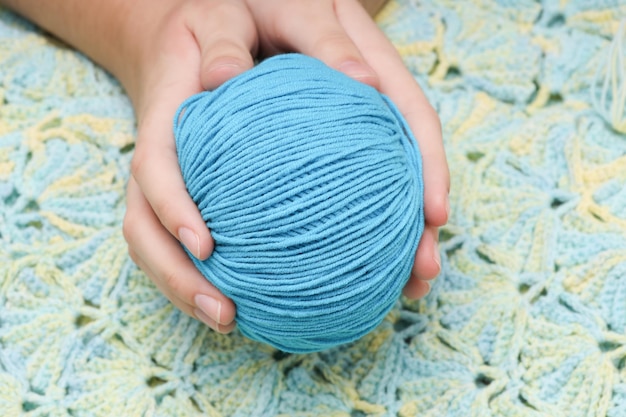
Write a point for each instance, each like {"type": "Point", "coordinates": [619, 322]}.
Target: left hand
{"type": "Point", "coordinates": [341, 34]}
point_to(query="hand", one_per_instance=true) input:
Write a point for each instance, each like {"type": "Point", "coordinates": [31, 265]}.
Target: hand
{"type": "Point", "coordinates": [202, 44]}
{"type": "Point", "coordinates": [340, 33]}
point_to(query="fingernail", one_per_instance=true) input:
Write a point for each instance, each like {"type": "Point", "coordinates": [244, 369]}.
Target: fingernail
{"type": "Point", "coordinates": [430, 287]}
{"type": "Point", "coordinates": [225, 65]}
{"type": "Point", "coordinates": [437, 257]}
{"type": "Point", "coordinates": [356, 70]}
{"type": "Point", "coordinates": [206, 320]}
{"type": "Point", "coordinates": [209, 306]}
{"type": "Point", "coordinates": [190, 240]}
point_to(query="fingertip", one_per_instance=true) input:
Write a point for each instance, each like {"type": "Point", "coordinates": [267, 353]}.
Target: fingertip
{"type": "Point", "coordinates": [427, 263]}
{"type": "Point", "coordinates": [416, 289]}
{"type": "Point", "coordinates": [215, 305]}
{"type": "Point", "coordinates": [222, 69]}
{"type": "Point", "coordinates": [199, 244]}
{"type": "Point", "coordinates": [218, 327]}
{"type": "Point", "coordinates": [225, 329]}
{"type": "Point", "coordinates": [437, 208]}
{"type": "Point", "coordinates": [427, 269]}
{"type": "Point", "coordinates": [361, 72]}
{"type": "Point", "coordinates": [228, 312]}
{"type": "Point", "coordinates": [207, 244]}
{"type": "Point", "coordinates": [214, 309]}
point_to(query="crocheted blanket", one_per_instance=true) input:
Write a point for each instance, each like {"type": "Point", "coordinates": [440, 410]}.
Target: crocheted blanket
{"type": "Point", "coordinates": [528, 317]}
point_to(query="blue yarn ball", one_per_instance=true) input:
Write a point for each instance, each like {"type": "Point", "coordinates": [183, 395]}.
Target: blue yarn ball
{"type": "Point", "coordinates": [311, 185]}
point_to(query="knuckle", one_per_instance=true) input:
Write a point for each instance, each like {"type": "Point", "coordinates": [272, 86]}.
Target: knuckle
{"type": "Point", "coordinates": [420, 111]}
{"type": "Point", "coordinates": [432, 114]}
{"type": "Point", "coordinates": [165, 210]}
{"type": "Point", "coordinates": [336, 41]}
{"type": "Point", "coordinates": [295, 16]}
{"type": "Point", "coordinates": [138, 161]}
{"type": "Point", "coordinates": [282, 20]}
{"type": "Point", "coordinates": [133, 255]}
{"type": "Point", "coordinates": [222, 15]}
{"type": "Point", "coordinates": [227, 10]}
{"type": "Point", "coordinates": [128, 229]}
{"type": "Point", "coordinates": [172, 281]}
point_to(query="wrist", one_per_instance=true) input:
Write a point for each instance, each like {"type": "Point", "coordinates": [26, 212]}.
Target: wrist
{"type": "Point", "coordinates": [112, 33]}
{"type": "Point", "coordinates": [142, 35]}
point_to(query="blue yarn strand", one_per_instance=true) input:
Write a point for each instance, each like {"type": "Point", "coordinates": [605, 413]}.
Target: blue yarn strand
{"type": "Point", "coordinates": [311, 185]}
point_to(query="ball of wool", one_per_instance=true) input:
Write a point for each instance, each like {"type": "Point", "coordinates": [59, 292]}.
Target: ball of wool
{"type": "Point", "coordinates": [311, 185]}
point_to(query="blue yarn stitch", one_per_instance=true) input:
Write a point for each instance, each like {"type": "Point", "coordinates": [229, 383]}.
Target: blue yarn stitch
{"type": "Point", "coordinates": [311, 185]}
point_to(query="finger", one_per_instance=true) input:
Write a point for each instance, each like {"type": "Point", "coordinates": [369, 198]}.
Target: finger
{"type": "Point", "coordinates": [227, 40]}
{"type": "Point", "coordinates": [155, 162]}
{"type": "Point", "coordinates": [427, 128]}
{"type": "Point", "coordinates": [427, 263]}
{"type": "Point", "coordinates": [425, 124]}
{"type": "Point", "coordinates": [416, 289]}
{"type": "Point", "coordinates": [398, 83]}
{"type": "Point", "coordinates": [184, 307]}
{"type": "Point", "coordinates": [312, 28]}
{"type": "Point", "coordinates": [169, 267]}
{"type": "Point", "coordinates": [145, 267]}
{"type": "Point", "coordinates": [219, 327]}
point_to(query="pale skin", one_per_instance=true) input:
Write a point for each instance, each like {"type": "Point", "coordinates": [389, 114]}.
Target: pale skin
{"type": "Point", "coordinates": [163, 51]}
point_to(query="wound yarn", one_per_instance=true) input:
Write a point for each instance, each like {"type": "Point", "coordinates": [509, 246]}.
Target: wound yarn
{"type": "Point", "coordinates": [311, 185]}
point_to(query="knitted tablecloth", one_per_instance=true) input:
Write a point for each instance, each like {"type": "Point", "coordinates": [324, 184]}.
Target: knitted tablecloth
{"type": "Point", "coordinates": [528, 317]}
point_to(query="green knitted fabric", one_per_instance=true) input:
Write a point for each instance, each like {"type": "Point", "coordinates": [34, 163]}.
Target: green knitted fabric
{"type": "Point", "coordinates": [528, 317]}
